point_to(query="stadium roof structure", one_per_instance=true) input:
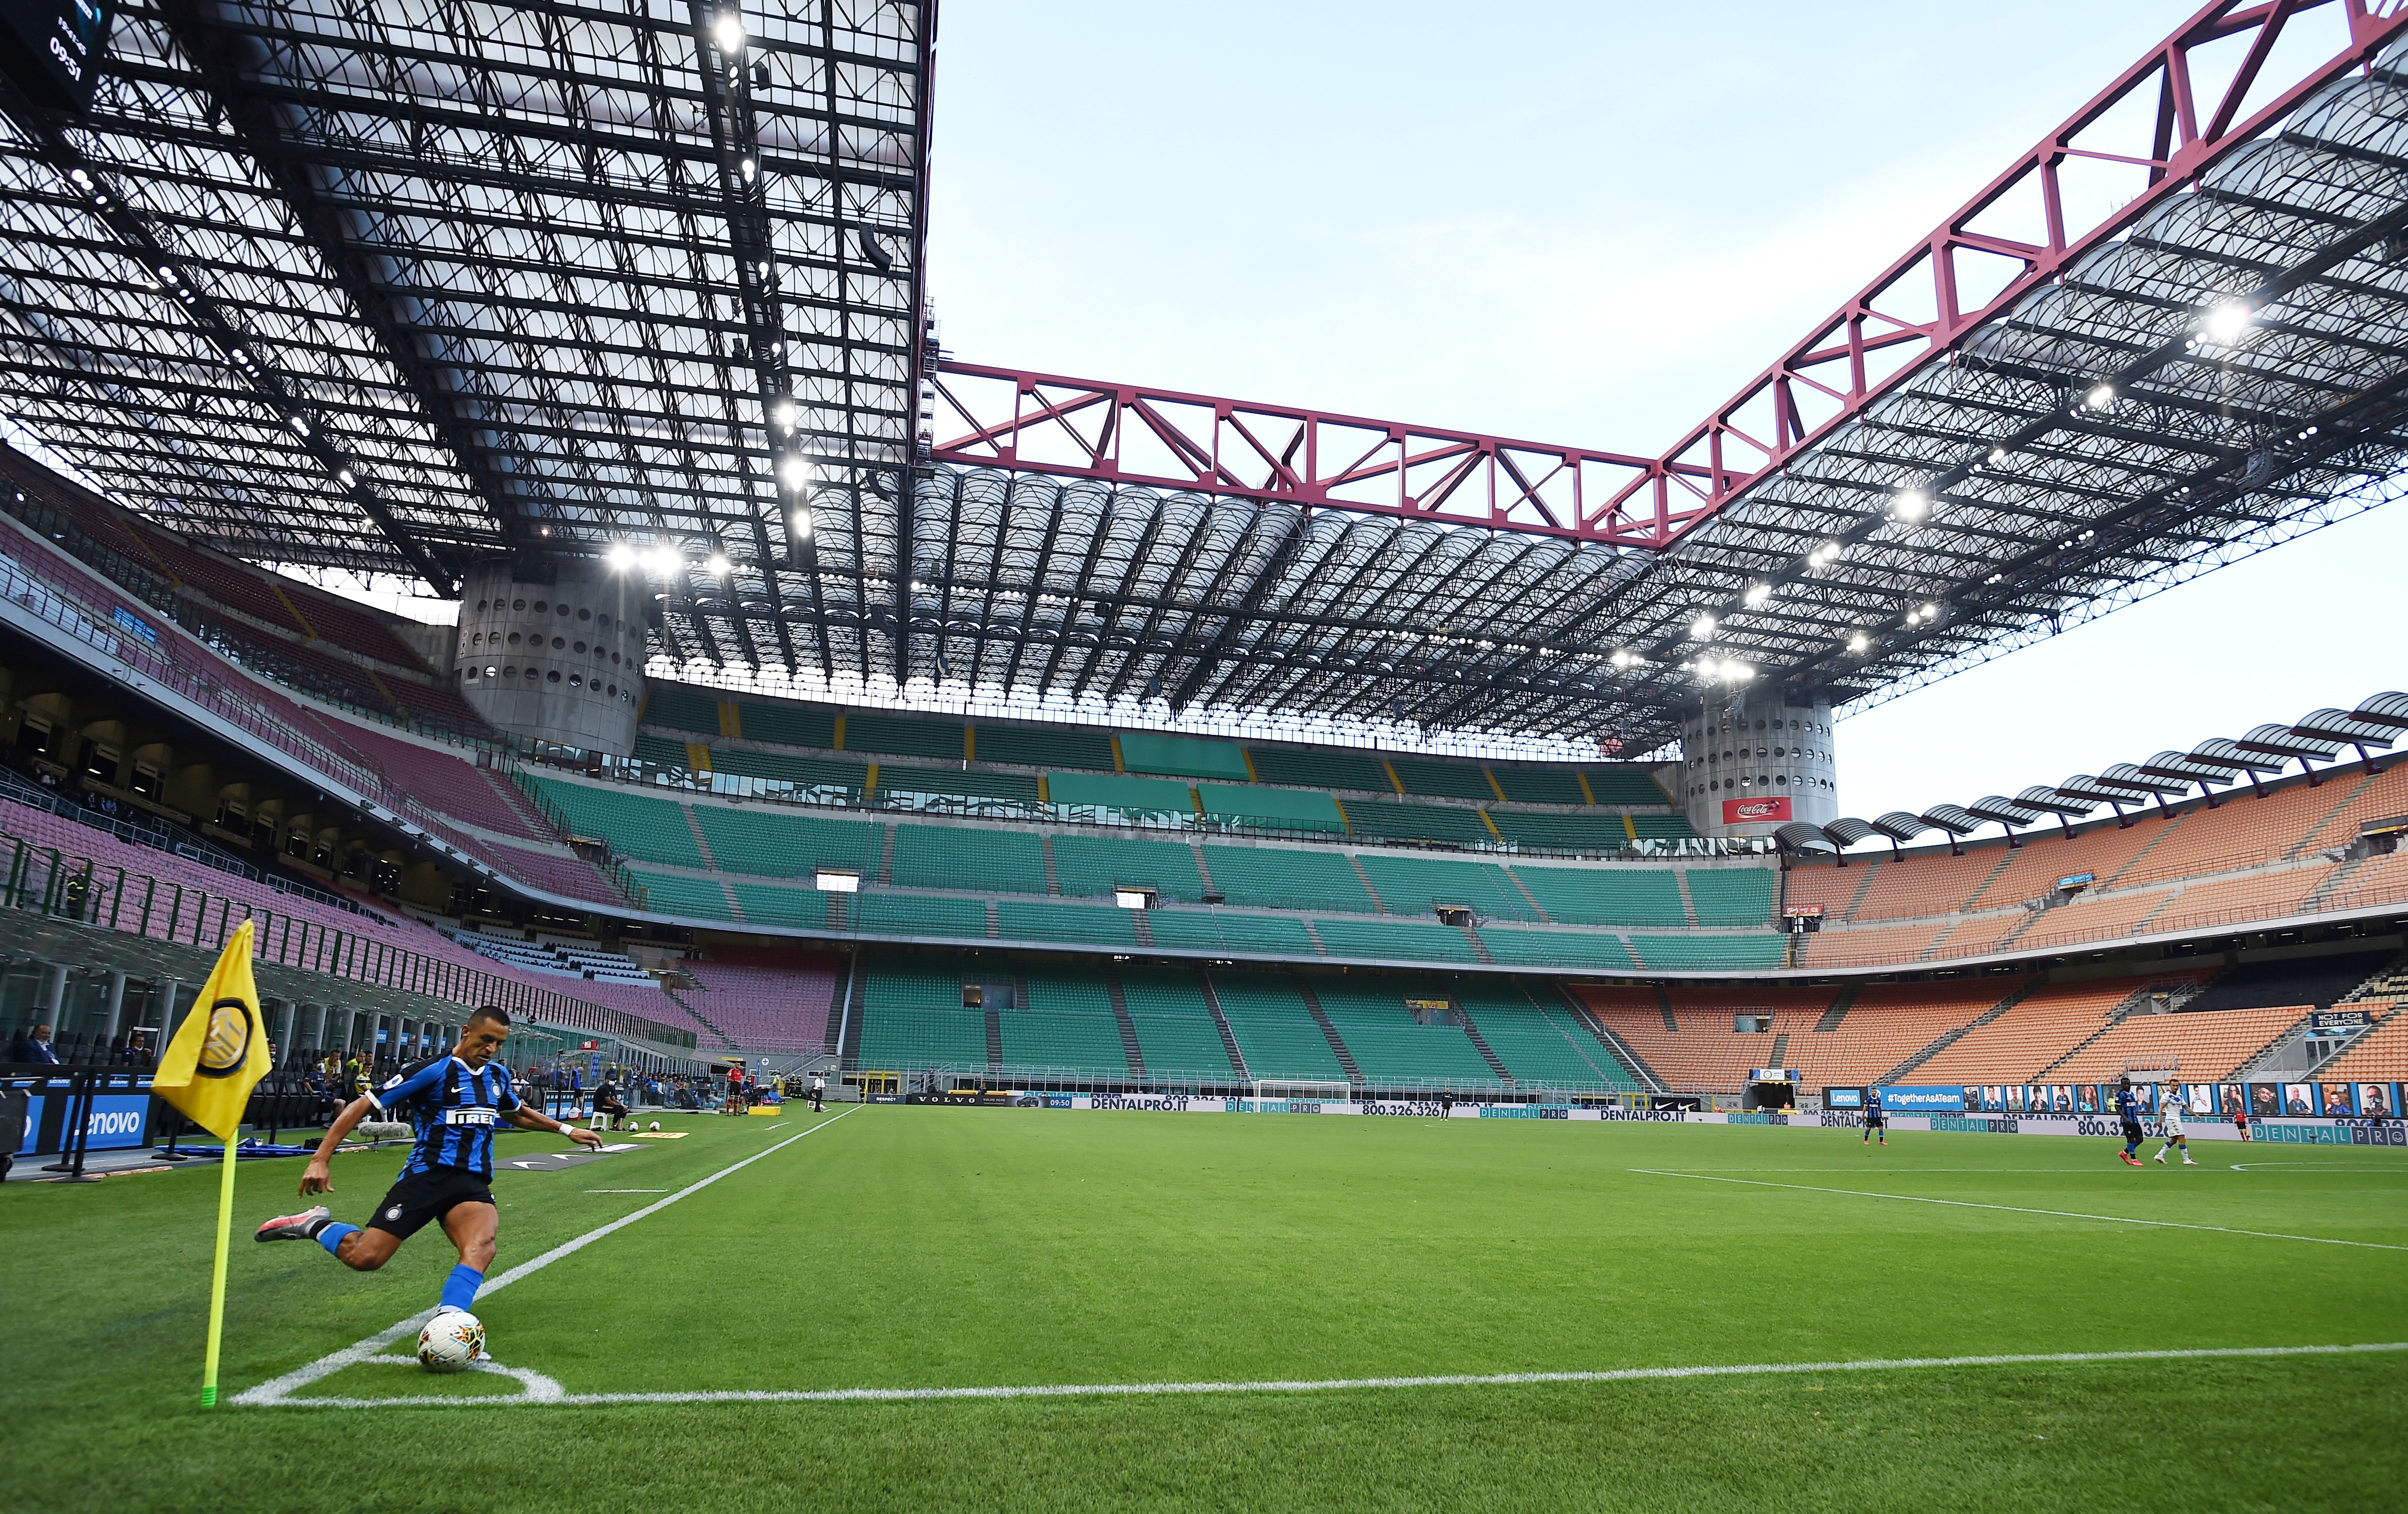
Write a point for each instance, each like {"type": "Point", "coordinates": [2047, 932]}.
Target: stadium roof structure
{"type": "Point", "coordinates": [393, 287]}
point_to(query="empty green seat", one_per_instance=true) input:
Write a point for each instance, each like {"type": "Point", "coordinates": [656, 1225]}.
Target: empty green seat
{"type": "Point", "coordinates": [1019, 788]}
{"type": "Point", "coordinates": [1696, 953]}
{"type": "Point", "coordinates": [1593, 831]}
{"type": "Point", "coordinates": [1608, 895]}
{"type": "Point", "coordinates": [1182, 756]}
{"type": "Point", "coordinates": [879, 912]}
{"type": "Point", "coordinates": [1252, 804]}
{"type": "Point", "coordinates": [671, 893]}
{"type": "Point", "coordinates": [1067, 1023]}
{"type": "Point", "coordinates": [1662, 827]}
{"type": "Point", "coordinates": [1625, 784]}
{"type": "Point", "coordinates": [1288, 877]}
{"type": "Point", "coordinates": [663, 751]}
{"type": "Point", "coordinates": [1175, 1032]}
{"type": "Point", "coordinates": [774, 841]}
{"type": "Point", "coordinates": [1032, 745]}
{"type": "Point", "coordinates": [1087, 866]}
{"type": "Point", "coordinates": [1418, 885]}
{"type": "Point", "coordinates": [790, 725]}
{"type": "Point", "coordinates": [1207, 930]}
{"type": "Point", "coordinates": [905, 736]}
{"type": "Point", "coordinates": [986, 858]}
{"type": "Point", "coordinates": [1389, 1045]}
{"type": "Point", "coordinates": [632, 823]}
{"type": "Point", "coordinates": [1539, 785]}
{"type": "Point", "coordinates": [831, 777]}
{"type": "Point", "coordinates": [1306, 769]}
{"type": "Point", "coordinates": [1274, 1028]}
{"type": "Point", "coordinates": [1024, 920]}
{"type": "Point", "coordinates": [1731, 895]}
{"type": "Point", "coordinates": [1538, 946]}
{"type": "Point", "coordinates": [1442, 779]}
{"type": "Point", "coordinates": [682, 707]}
{"type": "Point", "coordinates": [1540, 1046]}
{"type": "Point", "coordinates": [1112, 795]}
{"type": "Point", "coordinates": [1405, 821]}
{"type": "Point", "coordinates": [765, 904]}
{"type": "Point", "coordinates": [1394, 940]}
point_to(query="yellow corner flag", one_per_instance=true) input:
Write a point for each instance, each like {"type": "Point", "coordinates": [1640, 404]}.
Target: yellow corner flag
{"type": "Point", "coordinates": [207, 1072]}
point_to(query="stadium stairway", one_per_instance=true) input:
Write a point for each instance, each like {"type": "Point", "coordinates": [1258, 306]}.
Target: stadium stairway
{"type": "Point", "coordinates": [1129, 1047]}
{"type": "Point", "coordinates": [1614, 1045]}
{"type": "Point", "coordinates": [1221, 1022]}
{"type": "Point", "coordinates": [1480, 1044]}
{"type": "Point", "coordinates": [1950, 1037]}
{"type": "Point", "coordinates": [1337, 1043]}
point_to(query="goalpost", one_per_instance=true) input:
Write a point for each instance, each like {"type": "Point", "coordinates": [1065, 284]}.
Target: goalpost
{"type": "Point", "coordinates": [1303, 1091]}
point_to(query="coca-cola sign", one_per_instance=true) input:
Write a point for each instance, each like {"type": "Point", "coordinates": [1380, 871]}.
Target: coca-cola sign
{"type": "Point", "coordinates": [1755, 811]}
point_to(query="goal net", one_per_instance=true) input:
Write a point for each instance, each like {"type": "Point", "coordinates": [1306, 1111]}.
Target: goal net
{"type": "Point", "coordinates": [1296, 1091]}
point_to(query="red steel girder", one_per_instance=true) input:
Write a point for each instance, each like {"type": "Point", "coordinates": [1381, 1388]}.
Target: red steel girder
{"type": "Point", "coordinates": [1164, 438]}
{"type": "Point", "coordinates": [1083, 428]}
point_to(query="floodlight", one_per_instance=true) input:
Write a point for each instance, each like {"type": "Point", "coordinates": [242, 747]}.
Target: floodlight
{"type": "Point", "coordinates": [782, 410]}
{"type": "Point", "coordinates": [802, 523]}
{"type": "Point", "coordinates": [2102, 397]}
{"type": "Point", "coordinates": [664, 561]}
{"type": "Point", "coordinates": [1757, 594]}
{"type": "Point", "coordinates": [2228, 322]}
{"type": "Point", "coordinates": [1827, 552]}
{"type": "Point", "coordinates": [345, 477]}
{"type": "Point", "coordinates": [1736, 672]}
{"type": "Point", "coordinates": [728, 32]}
{"type": "Point", "coordinates": [620, 556]}
{"type": "Point", "coordinates": [794, 472]}
{"type": "Point", "coordinates": [718, 565]}
{"type": "Point", "coordinates": [1859, 643]}
{"type": "Point", "coordinates": [1702, 628]}
{"type": "Point", "coordinates": [1928, 611]}
{"type": "Point", "coordinates": [1912, 505]}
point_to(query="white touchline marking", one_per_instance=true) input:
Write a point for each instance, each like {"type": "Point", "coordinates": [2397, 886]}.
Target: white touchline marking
{"type": "Point", "coordinates": [629, 1191]}
{"type": "Point", "coordinates": [277, 1388]}
{"type": "Point", "coordinates": [1321, 1385]}
{"type": "Point", "coordinates": [2328, 1166]}
{"type": "Point", "coordinates": [2017, 1208]}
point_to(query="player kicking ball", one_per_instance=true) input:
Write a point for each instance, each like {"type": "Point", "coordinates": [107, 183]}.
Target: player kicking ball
{"type": "Point", "coordinates": [454, 1101]}
{"type": "Point", "coordinates": [2169, 1106]}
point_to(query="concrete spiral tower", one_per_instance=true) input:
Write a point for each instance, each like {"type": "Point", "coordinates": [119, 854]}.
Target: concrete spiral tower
{"type": "Point", "coordinates": [1753, 762]}
{"type": "Point", "coordinates": [559, 662]}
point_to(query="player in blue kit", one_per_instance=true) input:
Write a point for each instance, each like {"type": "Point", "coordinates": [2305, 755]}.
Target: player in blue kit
{"type": "Point", "coordinates": [2128, 1109]}
{"type": "Point", "coordinates": [454, 1101]}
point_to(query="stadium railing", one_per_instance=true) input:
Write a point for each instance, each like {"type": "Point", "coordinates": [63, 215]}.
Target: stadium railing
{"type": "Point", "coordinates": [1030, 1078]}
{"type": "Point", "coordinates": [47, 882]}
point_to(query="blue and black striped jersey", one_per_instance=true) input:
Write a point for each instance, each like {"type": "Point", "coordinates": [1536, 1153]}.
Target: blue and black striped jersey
{"type": "Point", "coordinates": [453, 1107]}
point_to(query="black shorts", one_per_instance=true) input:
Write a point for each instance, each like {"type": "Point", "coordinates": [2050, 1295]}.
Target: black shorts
{"type": "Point", "coordinates": [422, 1196]}
{"type": "Point", "coordinates": [1874, 1121]}
{"type": "Point", "coordinates": [2133, 1131]}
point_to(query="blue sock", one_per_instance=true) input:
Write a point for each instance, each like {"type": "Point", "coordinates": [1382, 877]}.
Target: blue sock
{"type": "Point", "coordinates": [331, 1233]}
{"type": "Point", "coordinates": [460, 1288]}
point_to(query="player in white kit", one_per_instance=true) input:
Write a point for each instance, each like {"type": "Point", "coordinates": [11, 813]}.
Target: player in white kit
{"type": "Point", "coordinates": [2170, 1111]}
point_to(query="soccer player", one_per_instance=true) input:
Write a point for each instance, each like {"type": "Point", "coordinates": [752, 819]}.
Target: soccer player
{"type": "Point", "coordinates": [2170, 1108]}
{"type": "Point", "coordinates": [1876, 1123]}
{"type": "Point", "coordinates": [2128, 1109]}
{"type": "Point", "coordinates": [454, 1101]}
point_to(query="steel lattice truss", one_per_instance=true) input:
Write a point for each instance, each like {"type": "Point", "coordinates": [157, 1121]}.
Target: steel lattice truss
{"type": "Point", "coordinates": [389, 284]}
{"type": "Point", "coordinates": [393, 284]}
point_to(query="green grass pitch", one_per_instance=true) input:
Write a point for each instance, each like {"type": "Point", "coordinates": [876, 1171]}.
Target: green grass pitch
{"type": "Point", "coordinates": [907, 1248]}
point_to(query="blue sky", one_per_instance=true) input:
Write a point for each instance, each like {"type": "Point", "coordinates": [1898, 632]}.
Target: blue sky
{"type": "Point", "coordinates": [1580, 223]}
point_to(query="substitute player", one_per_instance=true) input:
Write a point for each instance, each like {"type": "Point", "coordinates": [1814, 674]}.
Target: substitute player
{"type": "Point", "coordinates": [1876, 1123]}
{"type": "Point", "coordinates": [2170, 1108]}
{"type": "Point", "coordinates": [454, 1101]}
{"type": "Point", "coordinates": [2128, 1109]}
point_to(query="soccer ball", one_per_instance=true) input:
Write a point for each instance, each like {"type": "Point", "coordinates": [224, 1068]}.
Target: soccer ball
{"type": "Point", "coordinates": [657, 1124]}
{"type": "Point", "coordinates": [450, 1342]}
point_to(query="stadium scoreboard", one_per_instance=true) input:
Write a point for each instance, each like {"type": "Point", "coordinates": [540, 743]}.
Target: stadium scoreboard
{"type": "Point", "coordinates": [51, 49]}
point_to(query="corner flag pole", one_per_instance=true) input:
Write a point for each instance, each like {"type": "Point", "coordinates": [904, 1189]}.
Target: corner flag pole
{"type": "Point", "coordinates": [218, 1279]}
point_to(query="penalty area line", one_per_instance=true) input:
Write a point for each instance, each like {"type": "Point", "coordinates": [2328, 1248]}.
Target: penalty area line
{"type": "Point", "coordinates": [275, 1390]}
{"type": "Point", "coordinates": [2017, 1208]}
{"type": "Point", "coordinates": [1319, 1385]}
